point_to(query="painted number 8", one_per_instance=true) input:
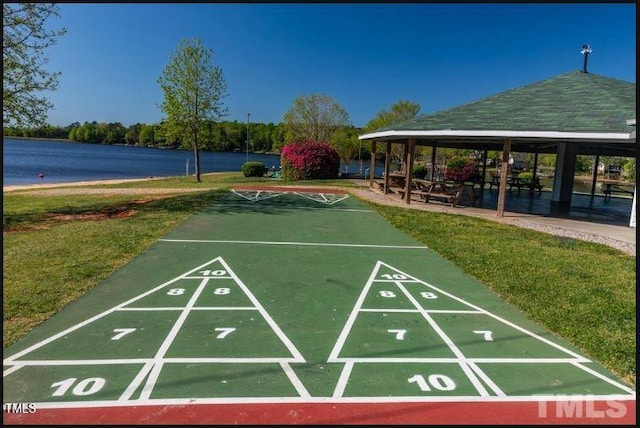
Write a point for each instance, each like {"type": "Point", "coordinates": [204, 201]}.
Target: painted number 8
{"type": "Point", "coordinates": [221, 291]}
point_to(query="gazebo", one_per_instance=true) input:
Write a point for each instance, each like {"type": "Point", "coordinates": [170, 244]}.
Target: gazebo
{"type": "Point", "coordinates": [576, 113]}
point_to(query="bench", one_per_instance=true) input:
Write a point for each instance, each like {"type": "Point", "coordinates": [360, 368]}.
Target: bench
{"type": "Point", "coordinates": [439, 191]}
{"type": "Point", "coordinates": [517, 182]}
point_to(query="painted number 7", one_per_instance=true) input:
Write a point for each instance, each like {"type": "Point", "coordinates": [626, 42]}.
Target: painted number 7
{"type": "Point", "coordinates": [487, 334]}
{"type": "Point", "coordinates": [399, 333]}
{"type": "Point", "coordinates": [121, 332]}
{"type": "Point", "coordinates": [224, 332]}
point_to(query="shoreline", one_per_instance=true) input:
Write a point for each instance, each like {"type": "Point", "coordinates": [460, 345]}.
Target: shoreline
{"type": "Point", "coordinates": [15, 187]}
{"type": "Point", "coordinates": [42, 186]}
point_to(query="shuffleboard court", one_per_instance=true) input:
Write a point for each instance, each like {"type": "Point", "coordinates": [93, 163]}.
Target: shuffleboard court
{"type": "Point", "coordinates": [283, 305]}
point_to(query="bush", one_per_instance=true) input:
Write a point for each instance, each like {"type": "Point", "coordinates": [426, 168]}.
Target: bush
{"type": "Point", "coordinates": [420, 171]}
{"type": "Point", "coordinates": [309, 160]}
{"type": "Point", "coordinates": [253, 169]}
{"type": "Point", "coordinates": [461, 169]}
{"type": "Point", "coordinates": [526, 175]}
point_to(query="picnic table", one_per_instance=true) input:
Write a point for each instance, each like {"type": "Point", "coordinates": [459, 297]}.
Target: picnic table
{"type": "Point", "coordinates": [450, 193]}
{"type": "Point", "coordinates": [518, 182]}
{"type": "Point", "coordinates": [609, 187]}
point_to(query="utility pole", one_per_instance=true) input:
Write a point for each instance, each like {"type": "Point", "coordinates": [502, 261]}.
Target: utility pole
{"type": "Point", "coordinates": [248, 115]}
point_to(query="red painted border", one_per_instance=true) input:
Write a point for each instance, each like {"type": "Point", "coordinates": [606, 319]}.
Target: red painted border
{"type": "Point", "coordinates": [467, 413]}
{"type": "Point", "coordinates": [301, 189]}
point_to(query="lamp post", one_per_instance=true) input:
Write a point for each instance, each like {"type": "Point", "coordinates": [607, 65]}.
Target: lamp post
{"type": "Point", "coordinates": [248, 115]}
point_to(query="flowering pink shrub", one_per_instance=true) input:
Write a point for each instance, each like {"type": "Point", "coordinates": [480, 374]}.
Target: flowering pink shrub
{"type": "Point", "coordinates": [309, 160]}
{"type": "Point", "coordinates": [461, 169]}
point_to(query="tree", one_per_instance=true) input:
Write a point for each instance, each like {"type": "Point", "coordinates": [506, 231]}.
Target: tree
{"type": "Point", "coordinates": [314, 118]}
{"type": "Point", "coordinates": [193, 91]}
{"type": "Point", "coordinates": [345, 141]}
{"type": "Point", "coordinates": [24, 75]}
{"type": "Point", "coordinates": [401, 111]}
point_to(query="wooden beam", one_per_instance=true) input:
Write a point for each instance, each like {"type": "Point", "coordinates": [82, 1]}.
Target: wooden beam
{"type": "Point", "coordinates": [504, 170]}
{"type": "Point", "coordinates": [372, 163]}
{"type": "Point", "coordinates": [433, 162]}
{"type": "Point", "coordinates": [484, 172]}
{"type": "Point", "coordinates": [387, 161]}
{"type": "Point", "coordinates": [405, 154]}
{"type": "Point", "coordinates": [411, 148]}
{"type": "Point", "coordinates": [594, 177]}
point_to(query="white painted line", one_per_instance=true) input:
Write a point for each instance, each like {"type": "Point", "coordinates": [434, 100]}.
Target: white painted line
{"type": "Point", "coordinates": [335, 400]}
{"type": "Point", "coordinates": [225, 360]}
{"type": "Point", "coordinates": [523, 330]}
{"type": "Point", "coordinates": [12, 369]}
{"type": "Point", "coordinates": [567, 360]}
{"type": "Point", "coordinates": [114, 361]}
{"type": "Point", "coordinates": [430, 311]}
{"type": "Point", "coordinates": [311, 244]}
{"type": "Point", "coordinates": [159, 308]}
{"type": "Point", "coordinates": [604, 378]}
{"type": "Point", "coordinates": [447, 340]}
{"type": "Point", "coordinates": [10, 359]}
{"type": "Point", "coordinates": [255, 195]}
{"type": "Point", "coordinates": [320, 197]}
{"type": "Point", "coordinates": [355, 210]}
{"type": "Point", "coordinates": [210, 277]}
{"type": "Point", "coordinates": [352, 316]}
{"type": "Point", "coordinates": [482, 375]}
{"type": "Point", "coordinates": [224, 308]}
{"type": "Point", "coordinates": [293, 378]}
{"type": "Point", "coordinates": [137, 381]}
{"type": "Point", "coordinates": [343, 380]}
{"type": "Point", "coordinates": [395, 360]}
{"type": "Point", "coordinates": [199, 308]}
{"type": "Point", "coordinates": [258, 360]}
{"type": "Point", "coordinates": [283, 338]}
{"type": "Point", "coordinates": [175, 329]}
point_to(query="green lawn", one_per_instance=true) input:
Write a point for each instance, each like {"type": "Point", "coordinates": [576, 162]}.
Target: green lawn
{"type": "Point", "coordinates": [58, 247]}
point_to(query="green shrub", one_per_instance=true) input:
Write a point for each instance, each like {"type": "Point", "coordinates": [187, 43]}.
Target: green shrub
{"type": "Point", "coordinates": [420, 171]}
{"type": "Point", "coordinates": [253, 169]}
{"type": "Point", "coordinates": [526, 175]}
{"type": "Point", "coordinates": [309, 160]}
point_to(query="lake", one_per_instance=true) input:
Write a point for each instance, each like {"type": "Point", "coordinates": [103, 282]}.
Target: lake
{"type": "Point", "coordinates": [64, 162]}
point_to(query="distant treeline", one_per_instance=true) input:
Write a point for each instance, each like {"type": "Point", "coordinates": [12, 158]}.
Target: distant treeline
{"type": "Point", "coordinates": [221, 136]}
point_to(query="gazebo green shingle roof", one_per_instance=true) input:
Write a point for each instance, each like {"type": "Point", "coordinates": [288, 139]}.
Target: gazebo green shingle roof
{"type": "Point", "coordinates": [571, 102]}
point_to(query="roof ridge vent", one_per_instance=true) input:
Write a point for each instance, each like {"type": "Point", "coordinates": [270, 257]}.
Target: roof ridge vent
{"type": "Point", "coordinates": [586, 50]}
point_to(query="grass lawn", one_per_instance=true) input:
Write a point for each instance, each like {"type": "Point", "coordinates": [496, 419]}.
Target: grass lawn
{"type": "Point", "coordinates": [58, 247]}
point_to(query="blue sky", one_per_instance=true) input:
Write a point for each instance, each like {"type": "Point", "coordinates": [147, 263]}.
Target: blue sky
{"type": "Point", "coordinates": [365, 56]}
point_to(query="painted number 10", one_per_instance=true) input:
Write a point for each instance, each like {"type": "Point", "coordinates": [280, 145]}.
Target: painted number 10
{"type": "Point", "coordinates": [84, 387]}
{"type": "Point", "coordinates": [436, 381]}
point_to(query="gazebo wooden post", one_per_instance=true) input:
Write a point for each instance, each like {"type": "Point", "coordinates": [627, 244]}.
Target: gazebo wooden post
{"type": "Point", "coordinates": [504, 170]}
{"type": "Point", "coordinates": [372, 163]}
{"type": "Point", "coordinates": [535, 170]}
{"type": "Point", "coordinates": [410, 149]}
{"type": "Point", "coordinates": [405, 156]}
{"type": "Point", "coordinates": [387, 161]}
{"type": "Point", "coordinates": [594, 178]}
{"type": "Point", "coordinates": [433, 162]}
{"type": "Point", "coordinates": [484, 172]}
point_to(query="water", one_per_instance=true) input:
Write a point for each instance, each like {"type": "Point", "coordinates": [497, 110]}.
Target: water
{"type": "Point", "coordinates": [63, 162]}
